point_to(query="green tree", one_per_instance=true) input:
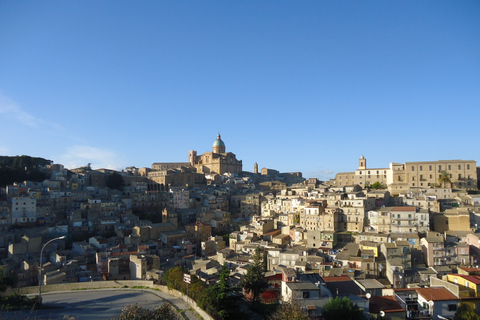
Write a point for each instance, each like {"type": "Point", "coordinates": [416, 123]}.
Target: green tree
{"type": "Point", "coordinates": [465, 312]}
{"type": "Point", "coordinates": [377, 185]}
{"type": "Point", "coordinates": [289, 311]}
{"type": "Point", "coordinates": [342, 308]}
{"type": "Point", "coordinates": [136, 312]}
{"type": "Point", "coordinates": [174, 278]}
{"type": "Point", "coordinates": [223, 298]}
{"type": "Point", "coordinates": [115, 181]}
{"type": "Point", "coordinates": [254, 283]}
{"type": "Point", "coordinates": [444, 179]}
{"type": "Point", "coordinates": [6, 280]}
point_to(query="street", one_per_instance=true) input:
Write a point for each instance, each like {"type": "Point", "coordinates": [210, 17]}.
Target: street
{"type": "Point", "coordinates": [97, 304]}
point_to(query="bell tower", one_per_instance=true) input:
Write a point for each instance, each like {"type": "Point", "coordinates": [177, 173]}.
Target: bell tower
{"type": "Point", "coordinates": [362, 163]}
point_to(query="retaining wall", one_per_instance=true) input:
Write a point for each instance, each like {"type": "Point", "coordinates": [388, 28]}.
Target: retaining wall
{"type": "Point", "coordinates": [109, 285]}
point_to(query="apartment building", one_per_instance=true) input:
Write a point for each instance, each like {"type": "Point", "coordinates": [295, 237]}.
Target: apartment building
{"type": "Point", "coordinates": [24, 210]}
{"type": "Point", "coordinates": [400, 177]}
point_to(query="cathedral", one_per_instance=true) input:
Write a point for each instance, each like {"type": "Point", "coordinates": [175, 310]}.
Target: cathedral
{"type": "Point", "coordinates": [216, 162]}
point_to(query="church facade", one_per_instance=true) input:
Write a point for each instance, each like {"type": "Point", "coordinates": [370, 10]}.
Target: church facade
{"type": "Point", "coordinates": [216, 162]}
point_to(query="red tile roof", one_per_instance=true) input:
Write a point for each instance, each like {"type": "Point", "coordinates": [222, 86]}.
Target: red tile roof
{"type": "Point", "coordinates": [436, 294]}
{"type": "Point", "coordinates": [336, 279]}
{"type": "Point", "coordinates": [385, 303]}
{"type": "Point", "coordinates": [469, 269]}
{"type": "Point", "coordinates": [473, 279]}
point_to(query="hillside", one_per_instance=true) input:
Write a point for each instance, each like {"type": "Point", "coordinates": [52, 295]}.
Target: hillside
{"type": "Point", "coordinates": [21, 168]}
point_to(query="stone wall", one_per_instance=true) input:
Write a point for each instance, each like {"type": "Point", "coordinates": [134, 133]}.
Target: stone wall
{"type": "Point", "coordinates": [435, 282]}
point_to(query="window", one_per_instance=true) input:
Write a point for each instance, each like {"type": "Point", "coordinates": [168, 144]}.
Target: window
{"type": "Point", "coordinates": [430, 168]}
{"type": "Point", "coordinates": [452, 307]}
{"type": "Point", "coordinates": [413, 168]}
{"type": "Point", "coordinates": [440, 168]}
{"type": "Point", "coordinates": [468, 167]}
{"type": "Point", "coordinates": [449, 167]}
{"type": "Point", "coordinates": [306, 295]}
{"type": "Point", "coordinates": [421, 168]}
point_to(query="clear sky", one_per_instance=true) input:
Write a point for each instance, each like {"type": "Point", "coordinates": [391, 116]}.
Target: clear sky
{"type": "Point", "coordinates": [304, 86]}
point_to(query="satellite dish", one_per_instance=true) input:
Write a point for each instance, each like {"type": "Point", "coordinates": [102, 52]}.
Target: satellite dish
{"type": "Point", "coordinates": [382, 313]}
{"type": "Point", "coordinates": [368, 295]}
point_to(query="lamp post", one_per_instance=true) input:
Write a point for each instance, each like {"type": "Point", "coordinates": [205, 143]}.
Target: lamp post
{"type": "Point", "coordinates": [40, 269]}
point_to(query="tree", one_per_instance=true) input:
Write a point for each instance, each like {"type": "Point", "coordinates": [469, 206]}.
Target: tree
{"type": "Point", "coordinates": [115, 181]}
{"type": "Point", "coordinates": [223, 298]}
{"type": "Point", "coordinates": [254, 282]}
{"type": "Point", "coordinates": [289, 311]}
{"type": "Point", "coordinates": [342, 308]}
{"type": "Point", "coordinates": [465, 312]}
{"type": "Point", "coordinates": [174, 278]}
{"type": "Point", "coordinates": [377, 185]}
{"type": "Point", "coordinates": [444, 178]}
{"type": "Point", "coordinates": [6, 280]}
{"type": "Point", "coordinates": [136, 312]}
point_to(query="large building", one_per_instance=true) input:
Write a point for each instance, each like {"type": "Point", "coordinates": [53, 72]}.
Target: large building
{"type": "Point", "coordinates": [216, 162]}
{"type": "Point", "coordinates": [422, 174]}
{"type": "Point", "coordinates": [166, 174]}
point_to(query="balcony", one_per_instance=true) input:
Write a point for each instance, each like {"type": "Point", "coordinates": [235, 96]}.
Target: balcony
{"type": "Point", "coordinates": [405, 219]}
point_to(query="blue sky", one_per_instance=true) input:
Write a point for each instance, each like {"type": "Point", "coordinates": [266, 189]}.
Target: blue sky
{"type": "Point", "coordinates": [304, 86]}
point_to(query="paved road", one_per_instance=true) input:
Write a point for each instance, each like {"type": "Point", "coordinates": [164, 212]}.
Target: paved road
{"type": "Point", "coordinates": [98, 304]}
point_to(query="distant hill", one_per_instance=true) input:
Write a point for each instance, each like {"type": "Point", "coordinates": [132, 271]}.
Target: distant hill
{"type": "Point", "coordinates": [22, 168]}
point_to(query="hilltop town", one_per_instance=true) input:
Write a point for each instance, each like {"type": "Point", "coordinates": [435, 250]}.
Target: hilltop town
{"type": "Point", "coordinates": [401, 241]}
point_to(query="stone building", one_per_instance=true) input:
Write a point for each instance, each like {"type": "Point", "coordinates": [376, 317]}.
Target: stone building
{"type": "Point", "coordinates": [401, 177]}
{"type": "Point", "coordinates": [24, 210]}
{"type": "Point", "coordinates": [218, 161]}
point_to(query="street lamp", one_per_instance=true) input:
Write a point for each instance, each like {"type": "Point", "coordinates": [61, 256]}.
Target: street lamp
{"type": "Point", "coordinates": [40, 269]}
{"type": "Point", "coordinates": [368, 296]}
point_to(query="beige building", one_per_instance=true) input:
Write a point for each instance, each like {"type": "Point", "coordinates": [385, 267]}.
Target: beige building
{"type": "Point", "coordinates": [362, 175]}
{"type": "Point", "coordinates": [400, 177]}
{"type": "Point", "coordinates": [163, 166]}
{"type": "Point", "coordinates": [457, 219]}
{"type": "Point", "coordinates": [433, 248]}
{"type": "Point", "coordinates": [183, 176]}
{"type": "Point", "coordinates": [218, 161]}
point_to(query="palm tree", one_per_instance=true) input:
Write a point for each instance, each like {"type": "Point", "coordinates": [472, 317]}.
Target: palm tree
{"type": "Point", "coordinates": [444, 178]}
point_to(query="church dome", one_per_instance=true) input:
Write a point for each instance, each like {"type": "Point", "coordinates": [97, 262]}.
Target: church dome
{"type": "Point", "coordinates": [218, 145]}
{"type": "Point", "coordinates": [219, 142]}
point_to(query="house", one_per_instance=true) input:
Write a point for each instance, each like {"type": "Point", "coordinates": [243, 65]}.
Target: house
{"type": "Point", "coordinates": [429, 302]}
{"type": "Point", "coordinates": [307, 289]}
{"type": "Point", "coordinates": [389, 305]}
